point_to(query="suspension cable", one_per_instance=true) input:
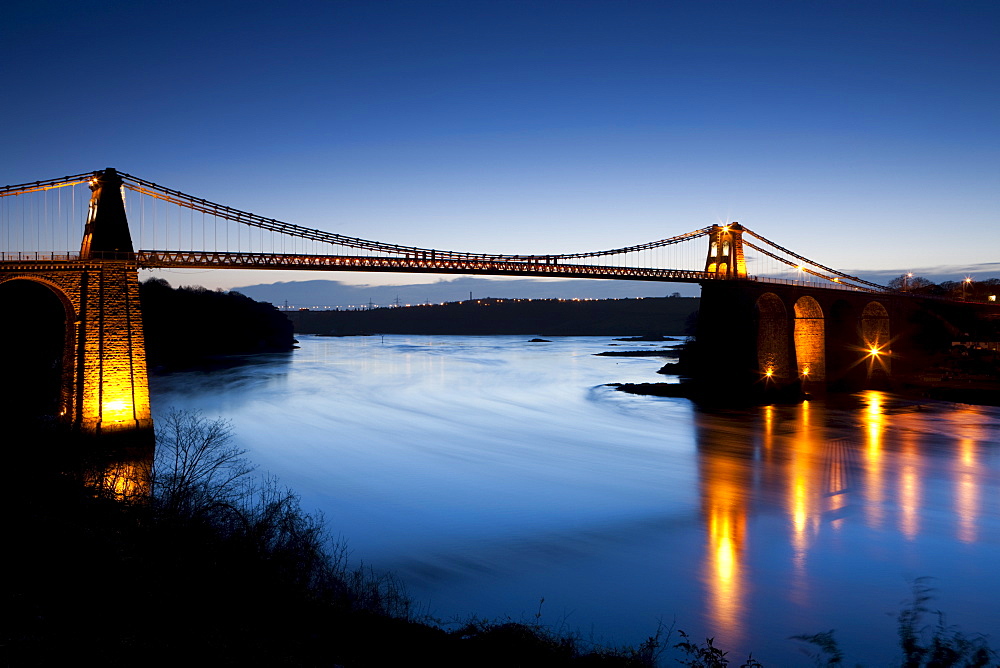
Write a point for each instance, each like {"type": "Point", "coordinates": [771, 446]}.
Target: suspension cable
{"type": "Point", "coordinates": [802, 268]}
{"type": "Point", "coordinates": [807, 260]}
{"type": "Point", "coordinates": [36, 186]}
{"type": "Point", "coordinates": [253, 220]}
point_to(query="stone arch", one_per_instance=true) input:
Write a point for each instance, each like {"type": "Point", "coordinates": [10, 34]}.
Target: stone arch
{"type": "Point", "coordinates": [60, 293]}
{"type": "Point", "coordinates": [876, 337]}
{"type": "Point", "coordinates": [39, 342]}
{"type": "Point", "coordinates": [810, 344]}
{"type": "Point", "coordinates": [875, 325]}
{"type": "Point", "coordinates": [772, 337]}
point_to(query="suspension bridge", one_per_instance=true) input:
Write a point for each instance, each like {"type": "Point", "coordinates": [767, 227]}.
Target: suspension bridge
{"type": "Point", "coordinates": [128, 223]}
{"type": "Point", "coordinates": [175, 230]}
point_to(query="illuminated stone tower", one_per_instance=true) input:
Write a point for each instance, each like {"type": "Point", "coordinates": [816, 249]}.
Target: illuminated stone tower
{"type": "Point", "coordinates": [103, 387]}
{"type": "Point", "coordinates": [725, 251]}
{"type": "Point", "coordinates": [111, 387]}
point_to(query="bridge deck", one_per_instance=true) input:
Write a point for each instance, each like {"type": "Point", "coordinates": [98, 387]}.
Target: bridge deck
{"type": "Point", "coordinates": [160, 259]}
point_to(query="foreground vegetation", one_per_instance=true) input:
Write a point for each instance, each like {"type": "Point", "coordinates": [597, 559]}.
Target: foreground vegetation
{"type": "Point", "coordinates": [198, 560]}
{"type": "Point", "coordinates": [189, 556]}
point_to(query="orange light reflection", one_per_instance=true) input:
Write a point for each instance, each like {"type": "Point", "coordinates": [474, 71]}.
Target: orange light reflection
{"type": "Point", "coordinates": [874, 492]}
{"type": "Point", "coordinates": [803, 511]}
{"type": "Point", "coordinates": [967, 492]}
{"type": "Point", "coordinates": [725, 480]}
{"type": "Point", "coordinates": [909, 489]}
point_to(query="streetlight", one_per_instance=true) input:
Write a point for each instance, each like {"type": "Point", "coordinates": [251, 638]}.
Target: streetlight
{"type": "Point", "coordinates": [967, 281]}
{"type": "Point", "coordinates": [906, 277]}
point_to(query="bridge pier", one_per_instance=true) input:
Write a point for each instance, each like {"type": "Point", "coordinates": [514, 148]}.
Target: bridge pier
{"type": "Point", "coordinates": [113, 389]}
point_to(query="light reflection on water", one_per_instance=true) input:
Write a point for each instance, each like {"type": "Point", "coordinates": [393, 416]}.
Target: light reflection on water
{"type": "Point", "coordinates": [489, 472]}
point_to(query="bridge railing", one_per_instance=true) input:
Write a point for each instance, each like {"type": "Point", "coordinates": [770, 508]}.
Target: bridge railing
{"type": "Point", "coordinates": [20, 256]}
{"type": "Point", "coordinates": [830, 285]}
{"type": "Point", "coordinates": [65, 256]}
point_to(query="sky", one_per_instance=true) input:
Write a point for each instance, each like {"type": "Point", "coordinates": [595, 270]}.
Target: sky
{"type": "Point", "coordinates": [864, 135]}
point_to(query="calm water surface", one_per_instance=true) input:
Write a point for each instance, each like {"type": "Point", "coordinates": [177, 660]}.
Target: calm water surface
{"type": "Point", "coordinates": [489, 472]}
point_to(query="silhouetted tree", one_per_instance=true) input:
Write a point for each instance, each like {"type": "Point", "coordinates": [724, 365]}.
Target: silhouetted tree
{"type": "Point", "coordinates": [907, 283]}
{"type": "Point", "coordinates": [196, 466]}
{"type": "Point", "coordinates": [189, 325]}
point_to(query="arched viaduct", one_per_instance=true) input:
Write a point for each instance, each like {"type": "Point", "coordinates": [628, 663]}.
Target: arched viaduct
{"type": "Point", "coordinates": [769, 336]}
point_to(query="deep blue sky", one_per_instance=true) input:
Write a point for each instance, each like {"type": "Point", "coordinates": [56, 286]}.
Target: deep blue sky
{"type": "Point", "coordinates": [865, 135]}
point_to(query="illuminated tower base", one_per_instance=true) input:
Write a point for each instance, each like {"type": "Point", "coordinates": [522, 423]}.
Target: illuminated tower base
{"type": "Point", "coordinates": [112, 387]}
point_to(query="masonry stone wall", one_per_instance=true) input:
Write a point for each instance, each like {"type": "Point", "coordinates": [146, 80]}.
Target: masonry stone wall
{"type": "Point", "coordinates": [772, 338]}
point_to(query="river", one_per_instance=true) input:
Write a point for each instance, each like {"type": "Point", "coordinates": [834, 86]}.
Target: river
{"type": "Point", "coordinates": [490, 473]}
